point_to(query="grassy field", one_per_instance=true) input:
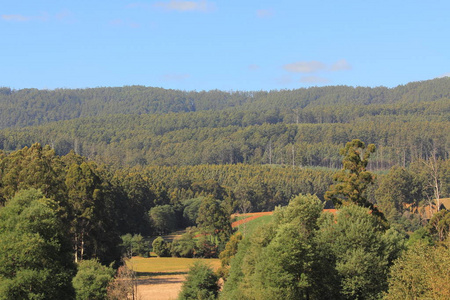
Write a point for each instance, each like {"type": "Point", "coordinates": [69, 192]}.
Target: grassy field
{"type": "Point", "coordinates": [161, 278]}
{"type": "Point", "coordinates": [156, 266]}
{"type": "Point", "coordinates": [250, 227]}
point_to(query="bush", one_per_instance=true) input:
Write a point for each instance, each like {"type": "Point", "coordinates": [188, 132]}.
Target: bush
{"type": "Point", "coordinates": [134, 245]}
{"type": "Point", "coordinates": [184, 246]}
{"type": "Point", "coordinates": [160, 247]}
{"type": "Point", "coordinates": [92, 280]}
{"type": "Point", "coordinates": [201, 283]}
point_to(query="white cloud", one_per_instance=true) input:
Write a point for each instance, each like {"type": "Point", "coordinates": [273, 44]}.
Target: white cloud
{"type": "Point", "coordinates": [305, 67]}
{"type": "Point", "coordinates": [16, 18]}
{"type": "Point", "coordinates": [314, 79]}
{"type": "Point", "coordinates": [341, 65]}
{"type": "Point", "coordinates": [203, 6]}
{"type": "Point", "coordinates": [264, 13]}
{"type": "Point", "coordinates": [317, 66]}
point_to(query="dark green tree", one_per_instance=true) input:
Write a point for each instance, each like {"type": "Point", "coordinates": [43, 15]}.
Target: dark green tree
{"type": "Point", "coordinates": [164, 218]}
{"type": "Point", "coordinates": [92, 279]}
{"type": "Point", "coordinates": [439, 225]}
{"type": "Point", "coordinates": [84, 191]}
{"type": "Point", "coordinates": [160, 247]}
{"type": "Point", "coordinates": [134, 245]}
{"type": "Point", "coordinates": [353, 179]}
{"type": "Point", "coordinates": [360, 251]}
{"type": "Point", "coordinates": [35, 256]}
{"type": "Point", "coordinates": [200, 284]}
{"type": "Point", "coordinates": [214, 220]}
{"type": "Point", "coordinates": [184, 246]}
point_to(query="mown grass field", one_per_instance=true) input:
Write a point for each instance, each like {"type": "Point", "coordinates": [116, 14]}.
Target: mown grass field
{"type": "Point", "coordinates": [161, 278]}
{"type": "Point", "coordinates": [156, 266]}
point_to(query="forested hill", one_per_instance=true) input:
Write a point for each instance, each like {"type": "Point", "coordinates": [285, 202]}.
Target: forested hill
{"type": "Point", "coordinates": [33, 107]}
{"type": "Point", "coordinates": [138, 125]}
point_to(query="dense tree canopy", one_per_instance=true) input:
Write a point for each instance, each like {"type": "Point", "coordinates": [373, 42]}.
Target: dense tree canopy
{"type": "Point", "coordinates": [307, 254]}
{"type": "Point", "coordinates": [149, 126]}
{"type": "Point", "coordinates": [36, 256]}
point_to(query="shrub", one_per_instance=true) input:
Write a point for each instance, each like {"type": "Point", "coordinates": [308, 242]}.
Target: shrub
{"type": "Point", "coordinates": [201, 283]}
{"type": "Point", "coordinates": [92, 280]}
{"type": "Point", "coordinates": [160, 247]}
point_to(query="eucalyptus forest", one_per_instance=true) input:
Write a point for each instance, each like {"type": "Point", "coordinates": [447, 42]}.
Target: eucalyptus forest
{"type": "Point", "coordinates": [91, 177]}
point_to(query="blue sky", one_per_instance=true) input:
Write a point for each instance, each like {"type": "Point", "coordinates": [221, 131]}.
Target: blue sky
{"type": "Point", "coordinates": [226, 45]}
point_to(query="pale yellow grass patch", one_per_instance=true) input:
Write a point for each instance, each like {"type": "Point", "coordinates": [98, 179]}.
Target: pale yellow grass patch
{"type": "Point", "coordinates": [161, 278]}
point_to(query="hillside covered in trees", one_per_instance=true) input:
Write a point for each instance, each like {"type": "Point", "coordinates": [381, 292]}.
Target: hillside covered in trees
{"type": "Point", "coordinates": [85, 174]}
{"type": "Point", "coordinates": [139, 126]}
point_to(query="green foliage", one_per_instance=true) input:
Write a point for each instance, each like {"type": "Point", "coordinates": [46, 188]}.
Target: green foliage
{"type": "Point", "coordinates": [200, 284]}
{"type": "Point", "coordinates": [184, 246]}
{"type": "Point", "coordinates": [204, 247]}
{"type": "Point", "coordinates": [190, 211]}
{"type": "Point", "coordinates": [439, 225]}
{"type": "Point", "coordinates": [421, 273]}
{"type": "Point", "coordinates": [420, 235]}
{"type": "Point", "coordinates": [276, 262]}
{"type": "Point", "coordinates": [353, 178]}
{"type": "Point", "coordinates": [396, 189]}
{"type": "Point", "coordinates": [163, 218]}
{"type": "Point", "coordinates": [307, 254]}
{"type": "Point", "coordinates": [361, 251]}
{"type": "Point", "coordinates": [214, 220]}
{"type": "Point", "coordinates": [134, 245]}
{"type": "Point", "coordinates": [231, 249]}
{"type": "Point", "coordinates": [160, 247]}
{"type": "Point", "coordinates": [35, 256]}
{"type": "Point", "coordinates": [302, 127]}
{"type": "Point", "coordinates": [92, 280]}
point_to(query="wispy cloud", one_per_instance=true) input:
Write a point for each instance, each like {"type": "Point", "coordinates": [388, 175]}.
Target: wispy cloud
{"type": "Point", "coordinates": [314, 79]}
{"type": "Point", "coordinates": [202, 6]}
{"type": "Point", "coordinates": [43, 17]}
{"type": "Point", "coordinates": [253, 67]}
{"type": "Point", "coordinates": [305, 67]}
{"type": "Point", "coordinates": [341, 65]}
{"type": "Point", "coordinates": [175, 77]}
{"type": "Point", "coordinates": [21, 18]}
{"type": "Point", "coordinates": [16, 18]}
{"type": "Point", "coordinates": [444, 75]}
{"type": "Point", "coordinates": [264, 13]}
{"type": "Point", "coordinates": [316, 66]}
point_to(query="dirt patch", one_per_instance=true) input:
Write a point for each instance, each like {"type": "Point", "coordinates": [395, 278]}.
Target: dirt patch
{"type": "Point", "coordinates": [163, 287]}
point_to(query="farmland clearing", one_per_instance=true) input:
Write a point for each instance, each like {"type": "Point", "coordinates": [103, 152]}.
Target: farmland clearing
{"type": "Point", "coordinates": [161, 278]}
